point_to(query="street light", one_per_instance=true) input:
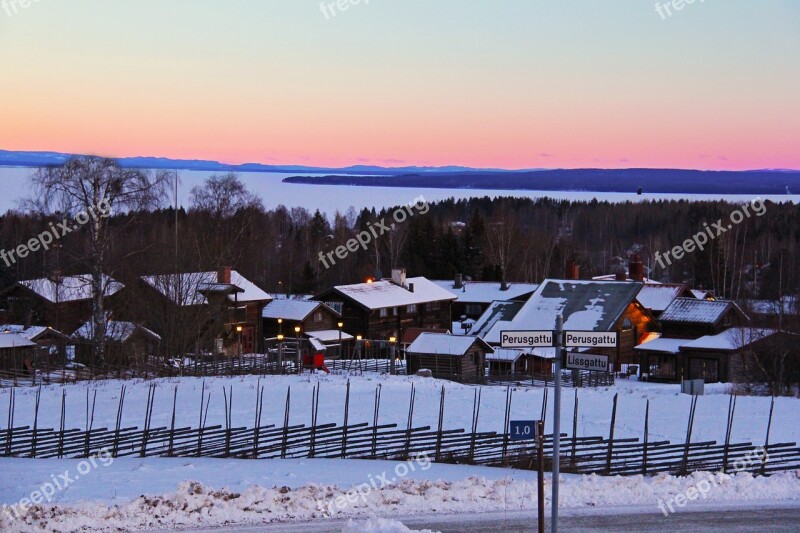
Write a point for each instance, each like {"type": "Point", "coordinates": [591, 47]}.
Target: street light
{"type": "Point", "coordinates": [280, 326]}
{"type": "Point", "coordinates": [341, 325]}
{"type": "Point", "coordinates": [280, 352]}
{"type": "Point", "coordinates": [299, 358]}
{"type": "Point", "coordinates": [239, 339]}
{"type": "Point", "coordinates": [392, 342]}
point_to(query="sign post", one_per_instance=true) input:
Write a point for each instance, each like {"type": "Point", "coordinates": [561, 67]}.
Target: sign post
{"type": "Point", "coordinates": [557, 423]}
{"type": "Point", "coordinates": [532, 430]}
{"type": "Point", "coordinates": [561, 340]}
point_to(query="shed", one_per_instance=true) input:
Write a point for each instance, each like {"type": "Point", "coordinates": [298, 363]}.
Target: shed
{"type": "Point", "coordinates": [454, 357]}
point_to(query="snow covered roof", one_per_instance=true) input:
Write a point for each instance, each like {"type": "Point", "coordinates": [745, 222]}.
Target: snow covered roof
{"type": "Point", "coordinates": [384, 293]}
{"type": "Point", "coordinates": [690, 310]}
{"type": "Point", "coordinates": [329, 335]}
{"type": "Point", "coordinates": [658, 297]}
{"type": "Point", "coordinates": [30, 333]}
{"type": "Point", "coordinates": [663, 345]}
{"type": "Point", "coordinates": [485, 292]}
{"type": "Point", "coordinates": [295, 310]}
{"type": "Point", "coordinates": [184, 289]}
{"type": "Point", "coordinates": [70, 288]}
{"type": "Point", "coordinates": [613, 277]}
{"type": "Point", "coordinates": [444, 344]}
{"type": "Point", "coordinates": [506, 355]}
{"type": "Point", "coordinates": [729, 340]}
{"type": "Point", "coordinates": [117, 331]}
{"type": "Point", "coordinates": [14, 340]}
{"type": "Point", "coordinates": [585, 306]}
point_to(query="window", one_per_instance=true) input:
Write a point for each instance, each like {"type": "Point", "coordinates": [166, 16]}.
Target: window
{"type": "Point", "coordinates": [384, 312]}
{"type": "Point", "coordinates": [435, 306]}
{"type": "Point", "coordinates": [411, 309]}
{"type": "Point", "coordinates": [395, 311]}
{"type": "Point", "coordinates": [318, 316]}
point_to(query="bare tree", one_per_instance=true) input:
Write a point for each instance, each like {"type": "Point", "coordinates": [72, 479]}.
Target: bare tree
{"type": "Point", "coordinates": [90, 189]}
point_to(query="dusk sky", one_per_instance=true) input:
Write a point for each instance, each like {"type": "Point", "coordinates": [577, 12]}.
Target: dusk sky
{"type": "Point", "coordinates": [510, 84]}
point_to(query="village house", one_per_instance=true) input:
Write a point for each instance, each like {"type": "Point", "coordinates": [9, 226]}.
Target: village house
{"type": "Point", "coordinates": [474, 297]}
{"type": "Point", "coordinates": [599, 306]}
{"type": "Point", "coordinates": [198, 312]}
{"type": "Point", "coordinates": [386, 308]}
{"type": "Point", "coordinates": [717, 357]}
{"type": "Point", "coordinates": [17, 353]}
{"type": "Point", "coordinates": [60, 302]}
{"type": "Point", "coordinates": [125, 342]}
{"type": "Point", "coordinates": [315, 320]}
{"type": "Point", "coordinates": [657, 297]}
{"type": "Point", "coordinates": [454, 357]}
{"type": "Point", "coordinates": [52, 346]}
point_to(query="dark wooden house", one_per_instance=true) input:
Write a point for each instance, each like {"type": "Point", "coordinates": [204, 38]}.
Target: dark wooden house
{"type": "Point", "coordinates": [198, 312]}
{"type": "Point", "coordinates": [125, 343]}
{"type": "Point", "coordinates": [383, 309]}
{"type": "Point", "coordinates": [690, 318]}
{"type": "Point", "coordinates": [61, 302]}
{"type": "Point", "coordinates": [17, 353]}
{"type": "Point", "coordinates": [454, 357]}
{"type": "Point", "coordinates": [282, 316]}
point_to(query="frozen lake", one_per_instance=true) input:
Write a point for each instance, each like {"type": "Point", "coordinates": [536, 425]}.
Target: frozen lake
{"type": "Point", "coordinates": [332, 198]}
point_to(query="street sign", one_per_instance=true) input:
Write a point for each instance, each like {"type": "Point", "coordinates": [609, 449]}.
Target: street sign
{"type": "Point", "coordinates": [582, 361]}
{"type": "Point", "coordinates": [526, 339]}
{"type": "Point", "coordinates": [590, 339]}
{"type": "Point", "coordinates": [522, 429]}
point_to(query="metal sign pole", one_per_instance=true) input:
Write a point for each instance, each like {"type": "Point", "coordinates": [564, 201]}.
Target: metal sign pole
{"type": "Point", "coordinates": [540, 469]}
{"type": "Point", "coordinates": [557, 422]}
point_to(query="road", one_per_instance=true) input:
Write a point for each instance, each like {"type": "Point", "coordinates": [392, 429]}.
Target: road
{"type": "Point", "coordinates": [766, 519]}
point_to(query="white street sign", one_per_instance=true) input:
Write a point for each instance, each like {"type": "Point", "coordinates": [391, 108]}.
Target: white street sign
{"type": "Point", "coordinates": [526, 339]}
{"type": "Point", "coordinates": [590, 339]}
{"type": "Point", "coordinates": [582, 361]}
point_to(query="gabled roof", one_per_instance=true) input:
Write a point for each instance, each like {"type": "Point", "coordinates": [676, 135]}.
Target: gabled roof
{"type": "Point", "coordinates": [411, 334]}
{"type": "Point", "coordinates": [443, 344]}
{"type": "Point", "coordinates": [186, 289]}
{"type": "Point", "coordinates": [484, 292]}
{"type": "Point", "coordinates": [294, 310]}
{"type": "Point", "coordinates": [613, 277]}
{"type": "Point", "coordinates": [692, 311]}
{"type": "Point", "coordinates": [32, 333]}
{"type": "Point", "coordinates": [384, 293]}
{"type": "Point", "coordinates": [14, 340]}
{"type": "Point", "coordinates": [585, 306]}
{"type": "Point", "coordinates": [658, 297]}
{"type": "Point", "coordinates": [506, 355]}
{"type": "Point", "coordinates": [116, 331]}
{"type": "Point", "coordinates": [329, 335]}
{"type": "Point", "coordinates": [69, 288]}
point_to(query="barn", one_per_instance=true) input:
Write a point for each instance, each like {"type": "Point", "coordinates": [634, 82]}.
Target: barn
{"type": "Point", "coordinates": [454, 357]}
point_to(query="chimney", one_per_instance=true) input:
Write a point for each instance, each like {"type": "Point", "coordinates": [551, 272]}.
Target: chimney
{"type": "Point", "coordinates": [459, 281]}
{"type": "Point", "coordinates": [573, 271]}
{"type": "Point", "coordinates": [636, 268]}
{"type": "Point", "coordinates": [621, 276]}
{"type": "Point", "coordinates": [399, 276]}
{"type": "Point", "coordinates": [224, 275]}
{"type": "Point", "coordinates": [411, 287]}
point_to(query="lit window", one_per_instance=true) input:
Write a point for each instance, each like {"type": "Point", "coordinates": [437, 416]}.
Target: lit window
{"type": "Point", "coordinates": [411, 309]}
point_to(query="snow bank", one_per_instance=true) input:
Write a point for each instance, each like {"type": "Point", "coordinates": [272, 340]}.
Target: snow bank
{"type": "Point", "coordinates": [197, 505]}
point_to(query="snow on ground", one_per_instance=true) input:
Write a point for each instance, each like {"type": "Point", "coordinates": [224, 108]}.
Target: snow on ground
{"type": "Point", "coordinates": [669, 410]}
{"type": "Point", "coordinates": [129, 494]}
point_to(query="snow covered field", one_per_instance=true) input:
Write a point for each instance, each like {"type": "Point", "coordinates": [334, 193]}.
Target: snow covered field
{"type": "Point", "coordinates": [669, 410]}
{"type": "Point", "coordinates": [135, 494]}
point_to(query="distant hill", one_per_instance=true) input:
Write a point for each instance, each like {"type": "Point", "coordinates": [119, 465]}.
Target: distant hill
{"type": "Point", "coordinates": [43, 159]}
{"type": "Point", "coordinates": [774, 182]}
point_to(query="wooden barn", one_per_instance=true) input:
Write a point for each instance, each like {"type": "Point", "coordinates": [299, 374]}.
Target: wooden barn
{"type": "Point", "coordinates": [126, 343]}
{"type": "Point", "coordinates": [17, 353]}
{"type": "Point", "coordinates": [453, 357]}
